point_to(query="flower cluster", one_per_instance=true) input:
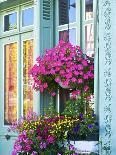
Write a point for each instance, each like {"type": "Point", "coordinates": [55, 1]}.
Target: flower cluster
{"type": "Point", "coordinates": [64, 65]}
{"type": "Point", "coordinates": [42, 134]}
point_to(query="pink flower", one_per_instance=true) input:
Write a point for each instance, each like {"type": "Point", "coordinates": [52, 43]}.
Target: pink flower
{"type": "Point", "coordinates": [65, 83]}
{"type": "Point", "coordinates": [76, 92]}
{"type": "Point", "coordinates": [52, 71]}
{"type": "Point", "coordinates": [76, 72]}
{"type": "Point", "coordinates": [45, 85]}
{"type": "Point", "coordinates": [80, 81]}
{"type": "Point", "coordinates": [73, 79]}
{"type": "Point", "coordinates": [62, 72]}
{"type": "Point", "coordinates": [81, 73]}
{"type": "Point", "coordinates": [86, 88]}
{"type": "Point", "coordinates": [85, 76]}
{"type": "Point", "coordinates": [80, 67]}
{"type": "Point", "coordinates": [84, 62]}
{"type": "Point", "coordinates": [14, 152]}
{"type": "Point", "coordinates": [69, 75]}
{"type": "Point", "coordinates": [42, 145]}
{"type": "Point", "coordinates": [57, 79]}
{"type": "Point", "coordinates": [53, 93]}
{"type": "Point", "coordinates": [92, 67]}
{"type": "Point", "coordinates": [50, 139]}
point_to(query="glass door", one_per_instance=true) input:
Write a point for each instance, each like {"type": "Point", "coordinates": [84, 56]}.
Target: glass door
{"type": "Point", "coordinates": [9, 86]}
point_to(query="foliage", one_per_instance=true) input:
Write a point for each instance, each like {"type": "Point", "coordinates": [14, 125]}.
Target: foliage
{"type": "Point", "coordinates": [64, 65]}
{"type": "Point", "coordinates": [42, 134]}
{"type": "Point", "coordinates": [76, 108]}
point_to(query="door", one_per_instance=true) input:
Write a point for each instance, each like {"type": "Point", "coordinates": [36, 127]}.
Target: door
{"type": "Point", "coordinates": [9, 91]}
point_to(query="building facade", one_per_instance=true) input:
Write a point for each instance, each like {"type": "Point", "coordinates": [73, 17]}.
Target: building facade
{"type": "Point", "coordinates": [27, 27]}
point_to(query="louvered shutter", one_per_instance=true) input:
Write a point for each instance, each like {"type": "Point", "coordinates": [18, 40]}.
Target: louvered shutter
{"type": "Point", "coordinates": [63, 12]}
{"type": "Point", "coordinates": [47, 39]}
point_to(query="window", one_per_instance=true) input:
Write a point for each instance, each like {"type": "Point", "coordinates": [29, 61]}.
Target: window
{"type": "Point", "coordinates": [10, 21]}
{"type": "Point", "coordinates": [27, 17]}
{"type": "Point", "coordinates": [88, 9]}
{"type": "Point", "coordinates": [68, 36]}
{"type": "Point", "coordinates": [10, 83]}
{"type": "Point", "coordinates": [76, 25]}
{"type": "Point", "coordinates": [88, 28]}
{"type": "Point", "coordinates": [67, 18]}
{"type": "Point", "coordinates": [27, 65]}
{"type": "Point", "coordinates": [67, 13]}
{"type": "Point", "coordinates": [18, 59]}
{"type": "Point", "coordinates": [89, 40]}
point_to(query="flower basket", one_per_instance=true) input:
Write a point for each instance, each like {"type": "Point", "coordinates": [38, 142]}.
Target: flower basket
{"type": "Point", "coordinates": [63, 66]}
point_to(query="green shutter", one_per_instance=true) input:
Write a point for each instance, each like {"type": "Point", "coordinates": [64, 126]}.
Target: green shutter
{"type": "Point", "coordinates": [46, 39]}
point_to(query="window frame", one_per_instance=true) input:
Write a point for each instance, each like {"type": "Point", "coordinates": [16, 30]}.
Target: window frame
{"type": "Point", "coordinates": [23, 8]}
{"type": "Point", "coordinates": [86, 22]}
{"type": "Point", "coordinates": [8, 13]}
{"type": "Point", "coordinates": [75, 25]}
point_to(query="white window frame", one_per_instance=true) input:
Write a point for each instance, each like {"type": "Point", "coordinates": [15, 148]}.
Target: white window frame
{"type": "Point", "coordinates": [21, 15]}
{"type": "Point", "coordinates": [13, 30]}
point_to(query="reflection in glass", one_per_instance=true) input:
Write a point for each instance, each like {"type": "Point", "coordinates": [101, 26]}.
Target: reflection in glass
{"type": "Point", "coordinates": [10, 84]}
{"type": "Point", "coordinates": [72, 11]}
{"type": "Point", "coordinates": [68, 36]}
{"type": "Point", "coordinates": [27, 17]}
{"type": "Point", "coordinates": [89, 40]}
{"type": "Point", "coordinates": [88, 9]}
{"type": "Point", "coordinates": [27, 65]}
{"type": "Point", "coordinates": [10, 22]}
{"type": "Point", "coordinates": [67, 11]}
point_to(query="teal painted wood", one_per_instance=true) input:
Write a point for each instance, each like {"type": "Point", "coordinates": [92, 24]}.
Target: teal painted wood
{"type": "Point", "coordinates": [6, 147]}
{"type": "Point", "coordinates": [107, 76]}
{"type": "Point", "coordinates": [46, 40]}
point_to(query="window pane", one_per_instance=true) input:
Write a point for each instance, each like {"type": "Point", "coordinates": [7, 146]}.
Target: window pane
{"type": "Point", "coordinates": [27, 17]}
{"type": "Point", "coordinates": [27, 65]}
{"type": "Point", "coordinates": [67, 11]}
{"type": "Point", "coordinates": [88, 9]}
{"type": "Point", "coordinates": [10, 87]}
{"type": "Point", "coordinates": [72, 11]}
{"type": "Point", "coordinates": [68, 36]}
{"type": "Point", "coordinates": [89, 40]}
{"type": "Point", "coordinates": [10, 22]}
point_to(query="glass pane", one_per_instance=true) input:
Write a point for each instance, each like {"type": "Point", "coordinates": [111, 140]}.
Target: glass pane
{"type": "Point", "coordinates": [72, 11]}
{"type": "Point", "coordinates": [27, 65]}
{"type": "Point", "coordinates": [10, 84]}
{"type": "Point", "coordinates": [89, 40]}
{"type": "Point", "coordinates": [27, 17]}
{"type": "Point", "coordinates": [88, 9]}
{"type": "Point", "coordinates": [68, 36]}
{"type": "Point", "coordinates": [10, 22]}
{"type": "Point", "coordinates": [67, 11]}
